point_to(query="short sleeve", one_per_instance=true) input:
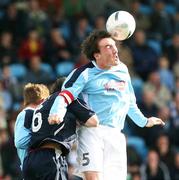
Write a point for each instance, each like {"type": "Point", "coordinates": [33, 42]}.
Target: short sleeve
{"type": "Point", "coordinates": [80, 109]}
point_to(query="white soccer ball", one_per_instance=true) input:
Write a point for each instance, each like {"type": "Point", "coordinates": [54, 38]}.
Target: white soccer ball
{"type": "Point", "coordinates": [121, 25]}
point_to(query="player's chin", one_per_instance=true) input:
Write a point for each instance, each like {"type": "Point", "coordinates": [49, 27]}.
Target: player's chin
{"type": "Point", "coordinates": [116, 61]}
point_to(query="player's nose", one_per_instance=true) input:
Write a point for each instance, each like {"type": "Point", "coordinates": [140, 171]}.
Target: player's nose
{"type": "Point", "coordinates": [115, 50]}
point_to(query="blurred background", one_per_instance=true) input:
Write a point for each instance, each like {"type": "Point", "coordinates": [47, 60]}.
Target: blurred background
{"type": "Point", "coordinates": [40, 40]}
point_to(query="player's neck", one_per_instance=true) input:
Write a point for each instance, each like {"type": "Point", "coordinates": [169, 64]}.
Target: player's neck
{"type": "Point", "coordinates": [102, 66]}
{"type": "Point", "coordinates": [32, 105]}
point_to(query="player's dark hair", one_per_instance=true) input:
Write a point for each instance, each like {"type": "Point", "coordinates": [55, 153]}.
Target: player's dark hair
{"type": "Point", "coordinates": [90, 44]}
{"type": "Point", "coordinates": [57, 85]}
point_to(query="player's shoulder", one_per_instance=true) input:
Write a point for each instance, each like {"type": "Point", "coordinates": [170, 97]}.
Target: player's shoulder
{"type": "Point", "coordinates": [89, 65]}
{"type": "Point", "coordinates": [122, 67]}
{"type": "Point", "coordinates": [20, 117]}
{"type": "Point", "coordinates": [21, 113]}
{"type": "Point", "coordinates": [24, 111]}
{"type": "Point", "coordinates": [79, 73]}
{"type": "Point", "coordinates": [84, 68]}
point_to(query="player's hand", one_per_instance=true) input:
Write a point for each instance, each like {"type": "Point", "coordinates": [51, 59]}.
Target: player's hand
{"type": "Point", "coordinates": [54, 119]}
{"type": "Point", "coordinates": [152, 121]}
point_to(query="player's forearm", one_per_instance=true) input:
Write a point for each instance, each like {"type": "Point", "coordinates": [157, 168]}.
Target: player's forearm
{"type": "Point", "coordinates": [58, 110]}
{"type": "Point", "coordinates": [136, 116]}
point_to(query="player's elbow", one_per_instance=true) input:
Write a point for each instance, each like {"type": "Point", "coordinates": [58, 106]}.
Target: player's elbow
{"type": "Point", "coordinates": [92, 122]}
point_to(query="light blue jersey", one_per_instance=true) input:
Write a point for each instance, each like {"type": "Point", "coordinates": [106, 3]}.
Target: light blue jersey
{"type": "Point", "coordinates": [22, 132]}
{"type": "Point", "coordinates": [107, 92]}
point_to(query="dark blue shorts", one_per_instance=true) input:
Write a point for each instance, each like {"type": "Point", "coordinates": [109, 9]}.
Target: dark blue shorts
{"type": "Point", "coordinates": [45, 164]}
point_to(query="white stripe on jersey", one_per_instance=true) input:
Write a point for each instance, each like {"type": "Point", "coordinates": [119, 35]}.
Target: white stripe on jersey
{"type": "Point", "coordinates": [59, 129]}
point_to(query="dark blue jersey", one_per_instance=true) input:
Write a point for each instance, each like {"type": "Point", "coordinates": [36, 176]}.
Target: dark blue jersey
{"type": "Point", "coordinates": [28, 118]}
{"type": "Point", "coordinates": [64, 133]}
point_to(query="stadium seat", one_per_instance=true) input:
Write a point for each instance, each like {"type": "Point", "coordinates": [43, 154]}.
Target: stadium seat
{"type": "Point", "coordinates": [155, 45]}
{"type": "Point", "coordinates": [18, 70]}
{"type": "Point", "coordinates": [170, 9]}
{"type": "Point", "coordinates": [144, 9]}
{"type": "Point", "coordinates": [139, 144]}
{"type": "Point", "coordinates": [64, 68]}
{"type": "Point", "coordinates": [48, 68]}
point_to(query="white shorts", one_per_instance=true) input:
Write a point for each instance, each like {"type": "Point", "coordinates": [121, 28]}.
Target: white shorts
{"type": "Point", "coordinates": [102, 149]}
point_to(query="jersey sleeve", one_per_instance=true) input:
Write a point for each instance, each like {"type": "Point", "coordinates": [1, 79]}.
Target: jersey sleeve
{"type": "Point", "coordinates": [134, 112]}
{"type": "Point", "coordinates": [22, 135]}
{"type": "Point", "coordinates": [74, 84]}
{"type": "Point", "coordinates": [71, 88]}
{"type": "Point", "coordinates": [80, 109]}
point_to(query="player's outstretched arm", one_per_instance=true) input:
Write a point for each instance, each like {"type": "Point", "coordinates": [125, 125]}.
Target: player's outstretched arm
{"type": "Point", "coordinates": [57, 111]}
{"type": "Point", "coordinates": [92, 121]}
{"type": "Point", "coordinates": [152, 121]}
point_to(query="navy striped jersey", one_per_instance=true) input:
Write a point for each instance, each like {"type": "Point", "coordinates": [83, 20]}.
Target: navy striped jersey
{"type": "Point", "coordinates": [63, 133]}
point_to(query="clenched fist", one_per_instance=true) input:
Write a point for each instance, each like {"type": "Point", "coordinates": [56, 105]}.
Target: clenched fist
{"type": "Point", "coordinates": [54, 119]}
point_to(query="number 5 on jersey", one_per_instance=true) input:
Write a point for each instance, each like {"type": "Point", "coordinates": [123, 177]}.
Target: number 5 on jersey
{"type": "Point", "coordinates": [86, 159]}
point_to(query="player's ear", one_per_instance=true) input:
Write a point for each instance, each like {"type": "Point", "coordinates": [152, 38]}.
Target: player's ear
{"type": "Point", "coordinates": [96, 55]}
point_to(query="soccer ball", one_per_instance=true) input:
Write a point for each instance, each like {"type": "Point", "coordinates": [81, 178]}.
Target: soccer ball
{"type": "Point", "coordinates": [121, 25]}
